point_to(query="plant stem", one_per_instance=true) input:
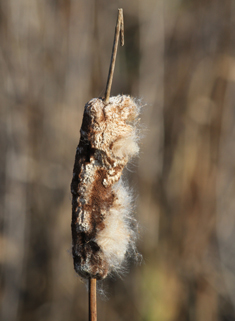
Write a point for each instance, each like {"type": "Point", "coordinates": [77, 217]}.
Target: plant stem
{"type": "Point", "coordinates": [119, 30]}
{"type": "Point", "coordinates": [92, 300]}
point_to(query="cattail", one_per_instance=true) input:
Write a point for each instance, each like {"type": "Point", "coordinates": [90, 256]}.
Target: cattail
{"type": "Point", "coordinates": [102, 224]}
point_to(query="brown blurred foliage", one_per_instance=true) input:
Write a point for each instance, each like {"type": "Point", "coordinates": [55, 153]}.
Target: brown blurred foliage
{"type": "Point", "coordinates": [179, 58]}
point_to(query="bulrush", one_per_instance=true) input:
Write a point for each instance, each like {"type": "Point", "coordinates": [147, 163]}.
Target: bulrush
{"type": "Point", "coordinates": [102, 224]}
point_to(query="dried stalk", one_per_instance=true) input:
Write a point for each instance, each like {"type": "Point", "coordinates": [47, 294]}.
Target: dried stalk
{"type": "Point", "coordinates": [119, 31]}
{"type": "Point", "coordinates": [92, 300]}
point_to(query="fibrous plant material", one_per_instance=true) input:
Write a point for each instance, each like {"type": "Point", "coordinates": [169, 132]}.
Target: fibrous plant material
{"type": "Point", "coordinates": [102, 225]}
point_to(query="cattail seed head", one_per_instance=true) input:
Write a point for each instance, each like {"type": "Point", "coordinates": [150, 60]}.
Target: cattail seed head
{"type": "Point", "coordinates": [102, 225]}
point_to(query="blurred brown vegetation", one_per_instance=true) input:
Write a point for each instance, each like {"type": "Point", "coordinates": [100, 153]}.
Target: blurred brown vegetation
{"type": "Point", "coordinates": [179, 58]}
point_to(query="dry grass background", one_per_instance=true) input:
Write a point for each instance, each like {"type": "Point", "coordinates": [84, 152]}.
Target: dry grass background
{"type": "Point", "coordinates": [179, 58]}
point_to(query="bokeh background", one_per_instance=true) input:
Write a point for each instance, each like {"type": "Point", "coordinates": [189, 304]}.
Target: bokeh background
{"type": "Point", "coordinates": [179, 59]}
